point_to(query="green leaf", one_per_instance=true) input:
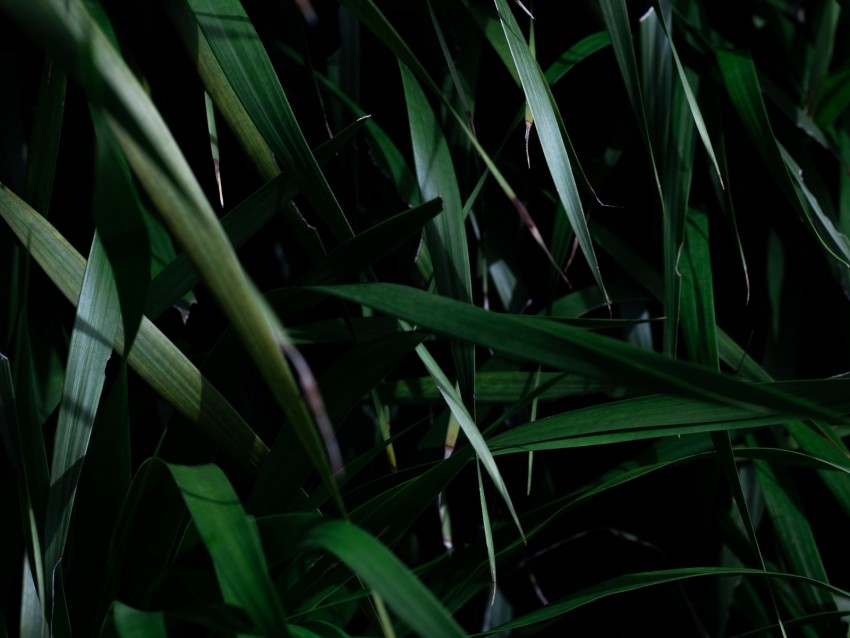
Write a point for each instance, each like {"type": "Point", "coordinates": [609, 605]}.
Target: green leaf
{"type": "Point", "coordinates": [233, 542]}
{"type": "Point", "coordinates": [568, 348]}
{"type": "Point", "coordinates": [447, 232]}
{"type": "Point", "coordinates": [549, 127]}
{"type": "Point", "coordinates": [240, 224]}
{"type": "Point", "coordinates": [95, 327]}
{"type": "Point", "coordinates": [795, 537]}
{"type": "Point", "coordinates": [579, 51]}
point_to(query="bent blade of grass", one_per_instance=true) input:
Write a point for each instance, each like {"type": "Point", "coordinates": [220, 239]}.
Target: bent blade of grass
{"type": "Point", "coordinates": [233, 542]}
{"type": "Point", "coordinates": [95, 327]}
{"type": "Point", "coordinates": [455, 403]}
{"type": "Point", "coordinates": [157, 360]}
{"type": "Point", "coordinates": [545, 112]}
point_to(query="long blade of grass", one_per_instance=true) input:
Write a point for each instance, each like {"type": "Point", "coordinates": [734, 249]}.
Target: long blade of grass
{"type": "Point", "coordinates": [689, 94]}
{"type": "Point", "coordinates": [384, 152]}
{"type": "Point", "coordinates": [96, 324]}
{"type": "Point", "coordinates": [567, 348]}
{"type": "Point", "coordinates": [27, 455]}
{"type": "Point", "coordinates": [546, 117]}
{"type": "Point", "coordinates": [371, 17]}
{"type": "Point", "coordinates": [826, 26]}
{"type": "Point", "coordinates": [120, 221]}
{"type": "Point", "coordinates": [633, 582]}
{"type": "Point", "coordinates": [447, 232]}
{"type": "Point", "coordinates": [157, 360]}
{"type": "Point", "coordinates": [368, 247]}
{"type": "Point", "coordinates": [46, 133]}
{"type": "Point", "coordinates": [638, 418]}
{"type": "Point", "coordinates": [576, 53]}
{"type": "Point", "coordinates": [31, 473]}
{"type": "Point", "coordinates": [496, 388]}
{"type": "Point", "coordinates": [699, 327]}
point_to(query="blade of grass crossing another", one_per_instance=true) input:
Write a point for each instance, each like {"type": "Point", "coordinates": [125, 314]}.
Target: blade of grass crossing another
{"type": "Point", "coordinates": [453, 400]}
{"type": "Point", "coordinates": [220, 89]}
{"type": "Point", "coordinates": [156, 359]}
{"type": "Point", "coordinates": [371, 17]}
{"type": "Point", "coordinates": [246, 64]}
{"type": "Point", "coordinates": [633, 582]}
{"type": "Point", "coordinates": [66, 28]}
{"type": "Point", "coordinates": [543, 107]}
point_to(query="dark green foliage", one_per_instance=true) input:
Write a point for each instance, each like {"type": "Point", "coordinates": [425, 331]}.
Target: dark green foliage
{"type": "Point", "coordinates": [355, 253]}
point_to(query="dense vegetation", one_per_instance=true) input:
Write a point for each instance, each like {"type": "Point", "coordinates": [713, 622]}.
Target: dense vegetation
{"type": "Point", "coordinates": [393, 316]}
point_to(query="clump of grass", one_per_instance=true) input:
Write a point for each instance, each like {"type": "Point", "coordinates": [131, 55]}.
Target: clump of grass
{"type": "Point", "coordinates": [324, 264]}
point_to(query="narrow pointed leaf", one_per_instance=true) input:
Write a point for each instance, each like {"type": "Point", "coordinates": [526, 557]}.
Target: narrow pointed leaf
{"type": "Point", "coordinates": [545, 111]}
{"type": "Point", "coordinates": [96, 324]}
